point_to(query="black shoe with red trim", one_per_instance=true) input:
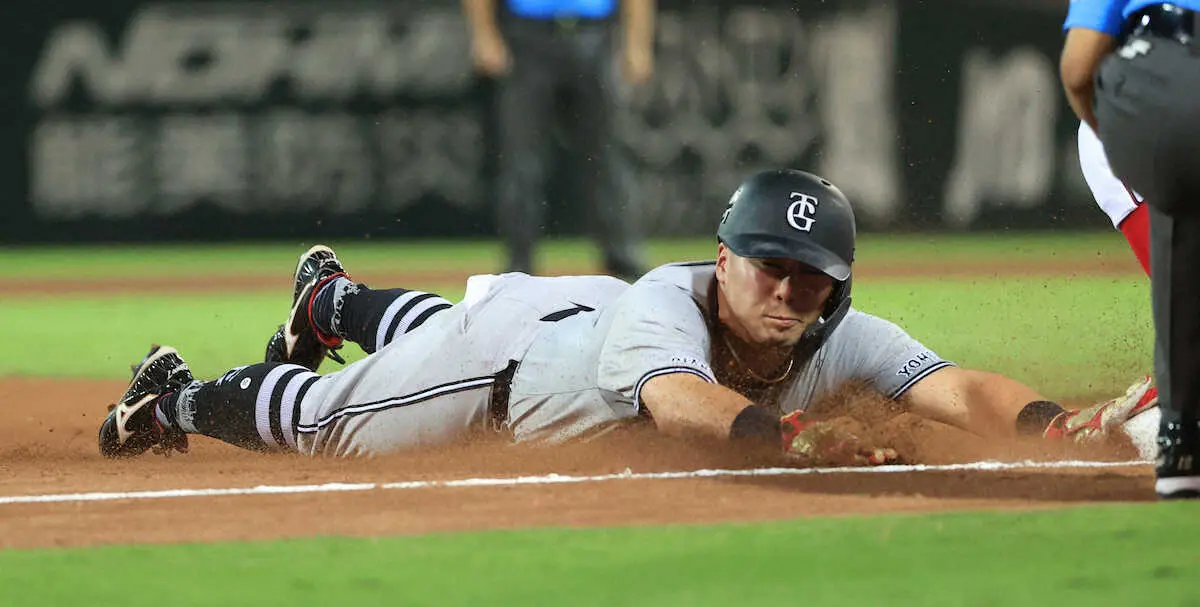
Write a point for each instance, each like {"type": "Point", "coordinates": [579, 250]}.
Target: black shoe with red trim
{"type": "Point", "coordinates": [297, 341]}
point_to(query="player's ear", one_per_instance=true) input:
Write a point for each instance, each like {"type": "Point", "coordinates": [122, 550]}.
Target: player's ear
{"type": "Point", "coordinates": [722, 268]}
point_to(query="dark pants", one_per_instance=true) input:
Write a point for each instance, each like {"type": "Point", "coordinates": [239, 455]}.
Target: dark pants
{"type": "Point", "coordinates": [1148, 109]}
{"type": "Point", "coordinates": [549, 59]}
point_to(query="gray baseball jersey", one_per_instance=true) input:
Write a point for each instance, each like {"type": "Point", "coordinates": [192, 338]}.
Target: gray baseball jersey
{"type": "Point", "coordinates": [585, 347]}
{"type": "Point", "coordinates": [588, 373]}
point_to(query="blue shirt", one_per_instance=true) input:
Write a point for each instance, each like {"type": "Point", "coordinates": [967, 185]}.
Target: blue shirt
{"type": "Point", "coordinates": [550, 9]}
{"type": "Point", "coordinates": [1108, 16]}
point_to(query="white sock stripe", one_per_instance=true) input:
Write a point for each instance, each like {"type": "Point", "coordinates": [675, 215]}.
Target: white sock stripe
{"type": "Point", "coordinates": [390, 314]}
{"type": "Point", "coordinates": [262, 403]}
{"type": "Point", "coordinates": [287, 407]}
{"type": "Point", "coordinates": [414, 313]}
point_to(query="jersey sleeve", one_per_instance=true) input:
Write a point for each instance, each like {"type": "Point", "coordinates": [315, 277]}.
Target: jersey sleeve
{"type": "Point", "coordinates": [657, 329]}
{"type": "Point", "coordinates": [887, 357]}
{"type": "Point", "coordinates": [1100, 15]}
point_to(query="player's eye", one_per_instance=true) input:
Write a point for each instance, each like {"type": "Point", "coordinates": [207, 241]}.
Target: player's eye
{"type": "Point", "coordinates": [774, 268]}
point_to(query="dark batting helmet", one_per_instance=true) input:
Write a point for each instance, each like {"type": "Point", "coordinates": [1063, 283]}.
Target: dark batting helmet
{"type": "Point", "coordinates": [791, 214]}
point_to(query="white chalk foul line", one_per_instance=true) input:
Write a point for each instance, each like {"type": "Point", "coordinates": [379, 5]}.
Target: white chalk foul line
{"type": "Point", "coordinates": [549, 479]}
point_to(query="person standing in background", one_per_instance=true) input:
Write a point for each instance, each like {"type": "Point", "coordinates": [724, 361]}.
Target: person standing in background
{"type": "Point", "coordinates": [1131, 71]}
{"type": "Point", "coordinates": [534, 49]}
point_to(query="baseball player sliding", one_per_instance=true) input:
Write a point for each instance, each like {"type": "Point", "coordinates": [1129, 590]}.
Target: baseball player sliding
{"type": "Point", "coordinates": [735, 349]}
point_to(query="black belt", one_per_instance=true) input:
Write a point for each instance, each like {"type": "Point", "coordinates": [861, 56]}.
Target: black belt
{"type": "Point", "coordinates": [498, 402]}
{"type": "Point", "coordinates": [1164, 21]}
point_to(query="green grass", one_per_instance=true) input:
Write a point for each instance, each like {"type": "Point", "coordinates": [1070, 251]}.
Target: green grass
{"type": "Point", "coordinates": [1081, 337]}
{"type": "Point", "coordinates": [1107, 555]}
{"type": "Point", "coordinates": [104, 334]}
{"type": "Point", "coordinates": [1067, 336]}
{"type": "Point", "coordinates": [280, 258]}
{"type": "Point", "coordinates": [376, 256]}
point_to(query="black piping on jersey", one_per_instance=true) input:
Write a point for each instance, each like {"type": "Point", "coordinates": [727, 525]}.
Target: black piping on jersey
{"type": "Point", "coordinates": [399, 401]}
{"type": "Point", "coordinates": [695, 264]}
{"type": "Point", "coordinates": [567, 313]}
{"type": "Point", "coordinates": [300, 394]}
{"type": "Point", "coordinates": [275, 404]}
{"type": "Point", "coordinates": [898, 392]}
{"type": "Point", "coordinates": [637, 389]}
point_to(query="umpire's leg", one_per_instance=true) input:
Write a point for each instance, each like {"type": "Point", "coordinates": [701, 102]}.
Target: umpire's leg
{"type": "Point", "coordinates": [524, 110]}
{"type": "Point", "coordinates": [1175, 293]}
{"type": "Point", "coordinates": [605, 168]}
{"type": "Point", "coordinates": [1149, 118]}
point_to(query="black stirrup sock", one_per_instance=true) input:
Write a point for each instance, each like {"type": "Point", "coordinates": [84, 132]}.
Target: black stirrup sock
{"type": "Point", "coordinates": [254, 407]}
{"type": "Point", "coordinates": [374, 318]}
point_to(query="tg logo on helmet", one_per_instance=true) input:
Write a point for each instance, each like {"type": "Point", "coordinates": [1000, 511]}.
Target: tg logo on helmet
{"type": "Point", "coordinates": [800, 212]}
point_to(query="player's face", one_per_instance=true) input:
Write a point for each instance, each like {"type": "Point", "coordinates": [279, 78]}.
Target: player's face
{"type": "Point", "coordinates": [770, 301]}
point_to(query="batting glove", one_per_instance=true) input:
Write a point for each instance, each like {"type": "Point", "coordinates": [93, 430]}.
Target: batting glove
{"type": "Point", "coordinates": [1099, 420]}
{"type": "Point", "coordinates": [821, 443]}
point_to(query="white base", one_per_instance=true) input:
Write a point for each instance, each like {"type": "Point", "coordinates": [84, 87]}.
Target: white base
{"type": "Point", "coordinates": [1143, 431]}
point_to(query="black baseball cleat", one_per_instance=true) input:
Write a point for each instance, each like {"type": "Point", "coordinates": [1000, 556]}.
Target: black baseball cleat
{"type": "Point", "coordinates": [131, 428]}
{"type": "Point", "coordinates": [297, 341]}
{"type": "Point", "coordinates": [1178, 466]}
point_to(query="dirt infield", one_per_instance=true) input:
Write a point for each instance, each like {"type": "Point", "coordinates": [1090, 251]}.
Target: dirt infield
{"type": "Point", "coordinates": [48, 446]}
{"type": "Point", "coordinates": [51, 449]}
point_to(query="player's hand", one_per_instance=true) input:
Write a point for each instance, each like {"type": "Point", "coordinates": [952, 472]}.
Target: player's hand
{"type": "Point", "coordinates": [823, 443]}
{"type": "Point", "coordinates": [491, 55]}
{"type": "Point", "coordinates": [1094, 423]}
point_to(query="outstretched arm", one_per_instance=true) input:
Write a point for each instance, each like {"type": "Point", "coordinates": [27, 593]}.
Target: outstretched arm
{"type": "Point", "coordinates": [987, 404]}
{"type": "Point", "coordinates": [994, 406]}
{"type": "Point", "coordinates": [684, 404]}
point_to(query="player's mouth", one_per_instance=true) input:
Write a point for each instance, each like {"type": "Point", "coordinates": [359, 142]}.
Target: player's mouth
{"type": "Point", "coordinates": [783, 322]}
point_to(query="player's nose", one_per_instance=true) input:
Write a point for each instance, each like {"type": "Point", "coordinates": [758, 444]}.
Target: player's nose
{"type": "Point", "coordinates": [790, 290]}
{"type": "Point", "coordinates": [798, 293]}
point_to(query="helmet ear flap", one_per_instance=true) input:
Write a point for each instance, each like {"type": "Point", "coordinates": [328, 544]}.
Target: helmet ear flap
{"type": "Point", "coordinates": [835, 310]}
{"type": "Point", "coordinates": [838, 299]}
